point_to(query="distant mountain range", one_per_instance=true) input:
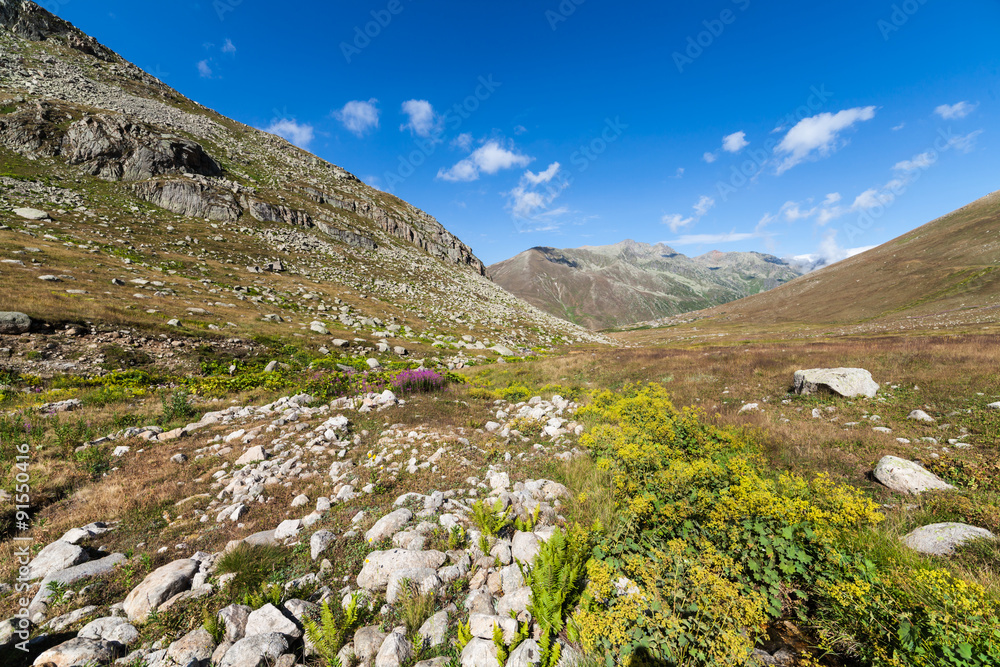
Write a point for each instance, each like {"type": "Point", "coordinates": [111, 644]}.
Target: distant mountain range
{"type": "Point", "coordinates": [602, 287]}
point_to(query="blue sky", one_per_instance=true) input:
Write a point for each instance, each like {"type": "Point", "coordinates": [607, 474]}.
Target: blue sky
{"type": "Point", "coordinates": [785, 127]}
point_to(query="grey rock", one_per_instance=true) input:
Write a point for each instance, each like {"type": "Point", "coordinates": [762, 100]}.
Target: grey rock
{"type": "Point", "coordinates": [158, 587]}
{"type": "Point", "coordinates": [79, 652]}
{"type": "Point", "coordinates": [234, 619]}
{"type": "Point", "coordinates": [479, 653]}
{"type": "Point", "coordinates": [516, 601]}
{"type": "Point", "coordinates": [367, 642]}
{"type": "Point", "coordinates": [524, 547]}
{"type": "Point", "coordinates": [424, 578]}
{"type": "Point", "coordinates": [31, 213]}
{"type": "Point", "coordinates": [435, 629]}
{"type": "Point", "coordinates": [54, 557]}
{"type": "Point", "coordinates": [904, 476]}
{"type": "Point", "coordinates": [14, 323]}
{"type": "Point", "coordinates": [921, 416]}
{"type": "Point", "coordinates": [194, 649]}
{"type": "Point", "coordinates": [396, 650]}
{"type": "Point", "coordinates": [271, 619]}
{"type": "Point", "coordinates": [941, 539]}
{"type": "Point", "coordinates": [256, 651]}
{"type": "Point", "coordinates": [380, 565]}
{"type": "Point", "coordinates": [526, 654]}
{"type": "Point", "coordinates": [60, 623]}
{"type": "Point", "coordinates": [320, 542]}
{"type": "Point", "coordinates": [847, 382]}
{"type": "Point", "coordinates": [94, 568]}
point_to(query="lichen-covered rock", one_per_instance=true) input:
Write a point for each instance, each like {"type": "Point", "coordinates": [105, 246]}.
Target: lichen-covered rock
{"type": "Point", "coordinates": [941, 539]}
{"type": "Point", "coordinates": [79, 652]}
{"type": "Point", "coordinates": [380, 565]}
{"type": "Point", "coordinates": [257, 651]}
{"type": "Point", "coordinates": [13, 323]}
{"type": "Point", "coordinates": [904, 476]}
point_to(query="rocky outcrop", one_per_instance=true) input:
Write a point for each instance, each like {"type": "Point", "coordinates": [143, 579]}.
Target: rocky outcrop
{"type": "Point", "coordinates": [114, 148]}
{"type": "Point", "coordinates": [29, 21]}
{"type": "Point", "coordinates": [190, 197]}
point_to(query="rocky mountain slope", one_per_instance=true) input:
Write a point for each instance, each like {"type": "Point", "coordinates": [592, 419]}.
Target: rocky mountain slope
{"type": "Point", "coordinates": [609, 286]}
{"type": "Point", "coordinates": [123, 202]}
{"type": "Point", "coordinates": [942, 274]}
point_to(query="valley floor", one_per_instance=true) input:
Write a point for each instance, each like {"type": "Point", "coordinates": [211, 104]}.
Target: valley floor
{"type": "Point", "coordinates": [511, 434]}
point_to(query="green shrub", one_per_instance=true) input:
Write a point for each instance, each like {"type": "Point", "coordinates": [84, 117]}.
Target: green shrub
{"type": "Point", "coordinates": [515, 393]}
{"type": "Point", "coordinates": [177, 405]}
{"type": "Point", "coordinates": [252, 564]}
{"type": "Point", "coordinates": [335, 625]}
{"type": "Point", "coordinates": [491, 521]}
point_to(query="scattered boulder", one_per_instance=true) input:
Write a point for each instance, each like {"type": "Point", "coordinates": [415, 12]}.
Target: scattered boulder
{"type": "Point", "coordinates": [846, 382]}
{"type": "Point", "coordinates": [192, 650]}
{"type": "Point", "coordinates": [941, 539]}
{"type": "Point", "coordinates": [271, 619]}
{"type": "Point", "coordinates": [14, 323]}
{"type": "Point", "coordinates": [31, 213]}
{"type": "Point", "coordinates": [388, 525]}
{"type": "Point", "coordinates": [78, 652]}
{"type": "Point", "coordinates": [257, 651]}
{"type": "Point", "coordinates": [56, 556]}
{"type": "Point", "coordinates": [159, 586]}
{"type": "Point", "coordinates": [479, 653]}
{"type": "Point", "coordinates": [380, 565]}
{"type": "Point", "coordinates": [921, 416]}
{"type": "Point", "coordinates": [904, 476]}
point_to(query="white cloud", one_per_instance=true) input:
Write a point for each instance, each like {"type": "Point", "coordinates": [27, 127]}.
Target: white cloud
{"type": "Point", "coordinates": [709, 157]}
{"type": "Point", "coordinates": [676, 221]}
{"type": "Point", "coordinates": [520, 129]}
{"type": "Point", "coordinates": [922, 161]}
{"type": "Point", "coordinates": [818, 135]}
{"type": "Point", "coordinates": [964, 143]}
{"type": "Point", "coordinates": [229, 47]}
{"type": "Point", "coordinates": [204, 70]}
{"type": "Point", "coordinates": [704, 204]}
{"type": "Point", "coordinates": [359, 117]}
{"type": "Point", "coordinates": [299, 134]}
{"type": "Point", "coordinates": [711, 239]}
{"type": "Point", "coordinates": [489, 158]}
{"type": "Point", "coordinates": [955, 111]}
{"type": "Point", "coordinates": [735, 142]}
{"type": "Point", "coordinates": [422, 122]}
{"type": "Point", "coordinates": [529, 201]}
{"type": "Point", "coordinates": [899, 127]}
{"type": "Point", "coordinates": [542, 177]}
{"type": "Point", "coordinates": [680, 172]}
{"type": "Point", "coordinates": [462, 142]}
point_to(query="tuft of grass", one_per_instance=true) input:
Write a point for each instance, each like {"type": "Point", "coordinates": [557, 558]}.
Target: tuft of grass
{"type": "Point", "coordinates": [252, 565]}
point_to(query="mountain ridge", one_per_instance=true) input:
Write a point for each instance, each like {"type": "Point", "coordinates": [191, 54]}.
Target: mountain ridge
{"type": "Point", "coordinates": [614, 285]}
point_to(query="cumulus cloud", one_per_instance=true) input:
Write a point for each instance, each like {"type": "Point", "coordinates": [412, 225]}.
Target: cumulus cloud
{"type": "Point", "coordinates": [359, 117]}
{"type": "Point", "coordinates": [299, 134]}
{"type": "Point", "coordinates": [422, 121]}
{"type": "Point", "coordinates": [921, 161]}
{"type": "Point", "coordinates": [709, 157]}
{"type": "Point", "coordinates": [529, 200]}
{"type": "Point", "coordinates": [489, 158]}
{"type": "Point", "coordinates": [204, 69]}
{"type": "Point", "coordinates": [229, 47]}
{"type": "Point", "coordinates": [676, 220]}
{"type": "Point", "coordinates": [955, 111]}
{"type": "Point", "coordinates": [964, 143]}
{"type": "Point", "coordinates": [735, 142]}
{"type": "Point", "coordinates": [828, 252]}
{"type": "Point", "coordinates": [817, 136]}
{"type": "Point", "coordinates": [462, 142]}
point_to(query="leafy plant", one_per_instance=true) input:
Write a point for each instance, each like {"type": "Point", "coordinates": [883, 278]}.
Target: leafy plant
{"type": "Point", "coordinates": [463, 635]}
{"type": "Point", "coordinates": [267, 594]}
{"type": "Point", "coordinates": [177, 405]}
{"type": "Point", "coordinates": [556, 582]}
{"type": "Point", "coordinates": [457, 538]}
{"type": "Point", "coordinates": [252, 565]}
{"type": "Point", "coordinates": [212, 625]}
{"type": "Point", "coordinates": [335, 624]}
{"type": "Point", "coordinates": [493, 520]}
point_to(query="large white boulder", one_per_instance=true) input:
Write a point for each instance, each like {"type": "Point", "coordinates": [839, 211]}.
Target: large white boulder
{"type": "Point", "coordinates": [847, 382]}
{"type": "Point", "coordinates": [159, 586]}
{"type": "Point", "coordinates": [380, 565]}
{"type": "Point", "coordinates": [904, 476]}
{"type": "Point", "coordinates": [941, 539]}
